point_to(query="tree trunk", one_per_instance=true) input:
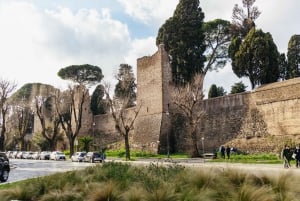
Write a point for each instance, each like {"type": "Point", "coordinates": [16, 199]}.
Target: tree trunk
{"type": "Point", "coordinates": [52, 145]}
{"type": "Point", "coordinates": [2, 136]}
{"type": "Point", "coordinates": [72, 146]}
{"type": "Point", "coordinates": [195, 150]}
{"type": "Point", "coordinates": [22, 148]}
{"type": "Point", "coordinates": [71, 142]}
{"type": "Point", "coordinates": [2, 139]}
{"type": "Point", "coordinates": [127, 149]}
{"type": "Point", "coordinates": [252, 83]}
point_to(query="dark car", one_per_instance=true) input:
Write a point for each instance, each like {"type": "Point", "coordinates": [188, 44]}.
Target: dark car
{"type": "Point", "coordinates": [93, 157]}
{"type": "Point", "coordinates": [4, 167]}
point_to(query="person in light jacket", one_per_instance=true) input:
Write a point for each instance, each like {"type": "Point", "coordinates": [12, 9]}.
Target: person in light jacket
{"type": "Point", "coordinates": [297, 155]}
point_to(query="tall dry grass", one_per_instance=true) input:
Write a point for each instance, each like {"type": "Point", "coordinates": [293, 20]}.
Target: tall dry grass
{"type": "Point", "coordinates": [123, 182]}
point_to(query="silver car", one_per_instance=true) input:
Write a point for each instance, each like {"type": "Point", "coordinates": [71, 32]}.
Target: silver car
{"type": "Point", "coordinates": [57, 156]}
{"type": "Point", "coordinates": [78, 157]}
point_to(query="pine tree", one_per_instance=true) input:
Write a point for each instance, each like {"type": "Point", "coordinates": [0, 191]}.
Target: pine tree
{"type": "Point", "coordinates": [184, 39]}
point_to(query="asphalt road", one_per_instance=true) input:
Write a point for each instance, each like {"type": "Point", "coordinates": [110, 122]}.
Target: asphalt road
{"type": "Point", "coordinates": [22, 169]}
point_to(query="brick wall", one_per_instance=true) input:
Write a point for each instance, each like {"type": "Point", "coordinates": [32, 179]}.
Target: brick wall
{"type": "Point", "coordinates": [153, 75]}
{"type": "Point", "coordinates": [258, 121]}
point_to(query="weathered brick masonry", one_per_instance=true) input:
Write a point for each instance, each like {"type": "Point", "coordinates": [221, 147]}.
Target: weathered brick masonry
{"type": "Point", "coordinates": [258, 121]}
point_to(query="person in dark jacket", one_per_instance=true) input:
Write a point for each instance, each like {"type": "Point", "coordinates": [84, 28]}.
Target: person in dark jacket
{"type": "Point", "coordinates": [222, 151]}
{"type": "Point", "coordinates": [286, 156]}
{"type": "Point", "coordinates": [228, 150]}
{"type": "Point", "coordinates": [297, 155]}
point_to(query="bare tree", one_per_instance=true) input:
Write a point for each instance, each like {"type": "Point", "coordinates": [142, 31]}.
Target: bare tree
{"type": "Point", "coordinates": [6, 88]}
{"type": "Point", "coordinates": [69, 107]}
{"type": "Point", "coordinates": [123, 118]}
{"type": "Point", "coordinates": [83, 76]}
{"type": "Point", "coordinates": [243, 18]}
{"type": "Point", "coordinates": [45, 109]}
{"type": "Point", "coordinates": [187, 100]}
{"type": "Point", "coordinates": [23, 115]}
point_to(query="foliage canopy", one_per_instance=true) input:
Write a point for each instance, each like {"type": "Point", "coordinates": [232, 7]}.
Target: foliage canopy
{"type": "Point", "coordinates": [293, 57]}
{"type": "Point", "coordinates": [217, 39]}
{"type": "Point", "coordinates": [81, 74]}
{"type": "Point", "coordinates": [238, 87]}
{"type": "Point", "coordinates": [184, 39]}
{"type": "Point", "coordinates": [257, 58]}
{"type": "Point", "coordinates": [98, 104]}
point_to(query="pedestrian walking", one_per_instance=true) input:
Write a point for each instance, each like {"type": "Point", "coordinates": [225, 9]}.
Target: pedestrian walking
{"type": "Point", "coordinates": [222, 151]}
{"type": "Point", "coordinates": [286, 156]}
{"type": "Point", "coordinates": [296, 155]}
{"type": "Point", "coordinates": [228, 150]}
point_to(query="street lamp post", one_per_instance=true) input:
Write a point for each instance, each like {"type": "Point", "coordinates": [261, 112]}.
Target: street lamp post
{"type": "Point", "coordinates": [168, 140]}
{"type": "Point", "coordinates": [202, 139]}
{"type": "Point", "coordinates": [14, 142]}
{"type": "Point", "coordinates": [94, 124]}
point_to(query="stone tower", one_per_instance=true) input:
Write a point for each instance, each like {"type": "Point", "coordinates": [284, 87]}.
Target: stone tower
{"type": "Point", "coordinates": [153, 79]}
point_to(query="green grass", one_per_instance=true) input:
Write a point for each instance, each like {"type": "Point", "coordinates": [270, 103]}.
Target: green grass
{"type": "Point", "coordinates": [124, 182]}
{"type": "Point", "coordinates": [264, 158]}
{"type": "Point", "coordinates": [120, 153]}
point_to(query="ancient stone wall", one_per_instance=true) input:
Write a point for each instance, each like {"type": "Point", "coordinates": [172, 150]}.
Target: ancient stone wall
{"type": "Point", "coordinates": [48, 91]}
{"type": "Point", "coordinates": [258, 121]}
{"type": "Point", "coordinates": [223, 119]}
{"type": "Point", "coordinates": [104, 131]}
{"type": "Point", "coordinates": [152, 95]}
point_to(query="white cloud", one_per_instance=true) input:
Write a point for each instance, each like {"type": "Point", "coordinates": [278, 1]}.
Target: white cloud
{"type": "Point", "coordinates": [280, 19]}
{"type": "Point", "coordinates": [154, 11]}
{"type": "Point", "coordinates": [140, 48]}
{"type": "Point", "coordinates": [35, 43]}
{"type": "Point", "coordinates": [281, 25]}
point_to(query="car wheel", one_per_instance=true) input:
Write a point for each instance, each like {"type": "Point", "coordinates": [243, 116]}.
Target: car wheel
{"type": "Point", "coordinates": [4, 175]}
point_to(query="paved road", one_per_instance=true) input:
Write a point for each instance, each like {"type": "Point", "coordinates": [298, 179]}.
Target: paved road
{"type": "Point", "coordinates": [22, 169]}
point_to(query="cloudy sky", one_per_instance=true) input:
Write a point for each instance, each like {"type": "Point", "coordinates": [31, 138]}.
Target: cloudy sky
{"type": "Point", "coordinates": [39, 37]}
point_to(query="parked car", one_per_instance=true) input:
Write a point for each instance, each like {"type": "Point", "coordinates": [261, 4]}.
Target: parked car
{"type": "Point", "coordinates": [14, 154]}
{"type": "Point", "coordinates": [36, 155]}
{"type": "Point", "coordinates": [4, 167]}
{"type": "Point", "coordinates": [57, 156]}
{"type": "Point", "coordinates": [93, 157]}
{"type": "Point", "coordinates": [29, 155]}
{"type": "Point", "coordinates": [21, 154]}
{"type": "Point", "coordinates": [45, 155]}
{"type": "Point", "coordinates": [9, 154]}
{"type": "Point", "coordinates": [78, 157]}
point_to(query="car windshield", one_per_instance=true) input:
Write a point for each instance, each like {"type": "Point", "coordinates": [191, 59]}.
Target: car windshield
{"type": "Point", "coordinates": [97, 154]}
